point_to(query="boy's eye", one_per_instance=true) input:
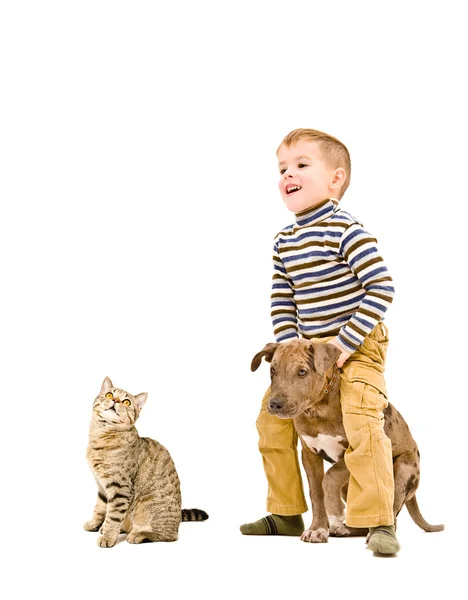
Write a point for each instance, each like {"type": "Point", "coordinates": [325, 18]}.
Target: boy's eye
{"type": "Point", "coordinates": [300, 166]}
{"type": "Point", "coordinates": [126, 402]}
{"type": "Point", "coordinates": [109, 395]}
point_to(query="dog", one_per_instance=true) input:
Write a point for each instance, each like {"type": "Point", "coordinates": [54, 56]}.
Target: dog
{"type": "Point", "coordinates": [305, 387]}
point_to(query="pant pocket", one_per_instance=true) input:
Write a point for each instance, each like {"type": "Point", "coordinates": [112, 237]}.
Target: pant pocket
{"type": "Point", "coordinates": [363, 390]}
{"type": "Point", "coordinates": [359, 439]}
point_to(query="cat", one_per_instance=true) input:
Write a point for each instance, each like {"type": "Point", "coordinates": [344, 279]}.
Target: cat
{"type": "Point", "coordinates": [138, 486]}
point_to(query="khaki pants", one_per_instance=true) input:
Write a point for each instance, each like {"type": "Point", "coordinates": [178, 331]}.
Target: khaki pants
{"type": "Point", "coordinates": [368, 457]}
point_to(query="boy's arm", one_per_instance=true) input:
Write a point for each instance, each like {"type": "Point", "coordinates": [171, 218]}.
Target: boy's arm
{"type": "Point", "coordinates": [359, 250]}
{"type": "Point", "coordinates": [283, 306]}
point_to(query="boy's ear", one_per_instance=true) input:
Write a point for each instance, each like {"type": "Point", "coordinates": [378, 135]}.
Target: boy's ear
{"type": "Point", "coordinates": [339, 178]}
{"type": "Point", "coordinates": [325, 355]}
{"type": "Point", "coordinates": [267, 352]}
{"type": "Point", "coordinates": [106, 385]}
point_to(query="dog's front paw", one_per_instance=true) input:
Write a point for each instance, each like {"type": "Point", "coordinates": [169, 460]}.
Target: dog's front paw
{"type": "Point", "coordinates": [315, 536]}
{"type": "Point", "coordinates": [340, 531]}
{"type": "Point", "coordinates": [106, 542]}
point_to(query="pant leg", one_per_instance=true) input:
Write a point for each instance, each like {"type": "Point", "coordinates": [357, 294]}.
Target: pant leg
{"type": "Point", "coordinates": [369, 455]}
{"type": "Point", "coordinates": [278, 447]}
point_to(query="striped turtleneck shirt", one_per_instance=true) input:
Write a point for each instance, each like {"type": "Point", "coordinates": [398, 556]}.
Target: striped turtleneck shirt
{"type": "Point", "coordinates": [329, 278]}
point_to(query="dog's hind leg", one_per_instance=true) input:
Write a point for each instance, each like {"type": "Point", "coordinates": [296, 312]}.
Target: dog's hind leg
{"type": "Point", "coordinates": [336, 478]}
{"type": "Point", "coordinates": [406, 476]}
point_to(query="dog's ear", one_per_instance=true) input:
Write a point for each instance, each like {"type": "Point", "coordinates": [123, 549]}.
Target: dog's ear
{"type": "Point", "coordinates": [325, 355]}
{"type": "Point", "coordinates": [267, 352]}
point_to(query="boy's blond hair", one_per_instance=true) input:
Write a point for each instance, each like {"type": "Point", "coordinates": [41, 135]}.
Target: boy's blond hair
{"type": "Point", "coordinates": [334, 152]}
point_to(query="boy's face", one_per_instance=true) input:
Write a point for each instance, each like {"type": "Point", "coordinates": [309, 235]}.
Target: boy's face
{"type": "Point", "coordinates": [302, 165]}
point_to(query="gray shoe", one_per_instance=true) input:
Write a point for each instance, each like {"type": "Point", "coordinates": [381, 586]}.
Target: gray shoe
{"type": "Point", "coordinates": [383, 540]}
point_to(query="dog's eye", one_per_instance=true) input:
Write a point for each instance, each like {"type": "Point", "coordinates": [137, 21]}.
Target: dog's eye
{"type": "Point", "coordinates": [302, 372]}
{"type": "Point", "coordinates": [272, 370]}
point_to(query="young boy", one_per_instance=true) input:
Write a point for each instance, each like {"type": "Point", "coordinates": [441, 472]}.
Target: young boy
{"type": "Point", "coordinates": [330, 282]}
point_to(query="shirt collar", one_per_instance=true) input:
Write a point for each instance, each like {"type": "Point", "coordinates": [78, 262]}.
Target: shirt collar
{"type": "Point", "coordinates": [316, 213]}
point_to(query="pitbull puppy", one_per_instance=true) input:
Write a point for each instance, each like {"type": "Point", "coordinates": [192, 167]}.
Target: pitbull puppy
{"type": "Point", "coordinates": [305, 387]}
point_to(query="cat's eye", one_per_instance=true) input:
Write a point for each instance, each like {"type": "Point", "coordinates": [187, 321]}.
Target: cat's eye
{"type": "Point", "coordinates": [109, 395]}
{"type": "Point", "coordinates": [126, 402]}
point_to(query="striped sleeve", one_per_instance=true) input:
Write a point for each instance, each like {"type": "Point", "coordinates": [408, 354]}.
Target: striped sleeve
{"type": "Point", "coordinates": [359, 250]}
{"type": "Point", "coordinates": [283, 305]}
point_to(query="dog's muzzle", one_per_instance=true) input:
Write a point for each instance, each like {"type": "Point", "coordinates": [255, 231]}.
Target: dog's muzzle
{"type": "Point", "coordinates": [281, 408]}
{"type": "Point", "coordinates": [275, 405]}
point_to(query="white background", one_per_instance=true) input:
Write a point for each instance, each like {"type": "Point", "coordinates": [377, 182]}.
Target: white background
{"type": "Point", "coordinates": [139, 204]}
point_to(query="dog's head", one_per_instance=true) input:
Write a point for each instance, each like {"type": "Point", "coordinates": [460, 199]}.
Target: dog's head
{"type": "Point", "coordinates": [298, 374]}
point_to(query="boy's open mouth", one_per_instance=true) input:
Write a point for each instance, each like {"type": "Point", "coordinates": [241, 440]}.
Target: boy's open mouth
{"type": "Point", "coordinates": [290, 189]}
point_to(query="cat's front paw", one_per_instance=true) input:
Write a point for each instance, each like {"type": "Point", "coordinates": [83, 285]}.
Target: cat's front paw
{"type": "Point", "coordinates": [92, 526]}
{"type": "Point", "coordinates": [137, 538]}
{"type": "Point", "coordinates": [106, 542]}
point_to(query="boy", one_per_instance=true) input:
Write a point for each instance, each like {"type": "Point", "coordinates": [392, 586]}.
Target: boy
{"type": "Point", "coordinates": [330, 282]}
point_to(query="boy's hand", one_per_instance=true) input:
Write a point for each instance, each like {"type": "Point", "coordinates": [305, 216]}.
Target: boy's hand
{"type": "Point", "coordinates": [343, 357]}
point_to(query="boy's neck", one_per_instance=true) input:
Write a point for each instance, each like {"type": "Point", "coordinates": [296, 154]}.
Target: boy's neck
{"type": "Point", "coordinates": [317, 212]}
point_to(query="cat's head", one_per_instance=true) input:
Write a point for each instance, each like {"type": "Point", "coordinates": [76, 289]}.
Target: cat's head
{"type": "Point", "coordinates": [116, 408]}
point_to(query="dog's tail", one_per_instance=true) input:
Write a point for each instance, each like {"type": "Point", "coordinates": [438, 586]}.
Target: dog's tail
{"type": "Point", "coordinates": [194, 514]}
{"type": "Point", "coordinates": [417, 517]}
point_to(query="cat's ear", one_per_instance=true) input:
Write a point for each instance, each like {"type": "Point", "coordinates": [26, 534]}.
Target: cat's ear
{"type": "Point", "coordinates": [106, 385]}
{"type": "Point", "coordinates": [141, 399]}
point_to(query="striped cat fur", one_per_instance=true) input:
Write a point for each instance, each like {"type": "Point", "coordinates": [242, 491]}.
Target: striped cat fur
{"type": "Point", "coordinates": [138, 487]}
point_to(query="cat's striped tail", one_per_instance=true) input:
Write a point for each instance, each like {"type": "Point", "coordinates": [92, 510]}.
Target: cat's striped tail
{"type": "Point", "coordinates": [194, 514]}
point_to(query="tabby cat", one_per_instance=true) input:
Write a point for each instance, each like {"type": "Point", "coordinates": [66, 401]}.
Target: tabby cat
{"type": "Point", "coordinates": [138, 486]}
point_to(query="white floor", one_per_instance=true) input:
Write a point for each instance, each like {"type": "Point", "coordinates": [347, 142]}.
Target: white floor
{"type": "Point", "coordinates": [213, 560]}
{"type": "Point", "coordinates": [139, 204]}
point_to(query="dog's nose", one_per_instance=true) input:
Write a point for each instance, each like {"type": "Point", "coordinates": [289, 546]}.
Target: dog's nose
{"type": "Point", "coordinates": [276, 404]}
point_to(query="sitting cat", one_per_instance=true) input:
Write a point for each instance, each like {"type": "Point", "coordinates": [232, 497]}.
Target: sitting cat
{"type": "Point", "coordinates": [138, 486]}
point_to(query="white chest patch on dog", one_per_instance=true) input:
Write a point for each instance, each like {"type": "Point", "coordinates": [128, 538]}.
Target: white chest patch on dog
{"type": "Point", "coordinates": [328, 444]}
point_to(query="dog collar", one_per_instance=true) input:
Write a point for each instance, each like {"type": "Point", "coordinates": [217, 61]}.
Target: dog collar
{"type": "Point", "coordinates": [332, 381]}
